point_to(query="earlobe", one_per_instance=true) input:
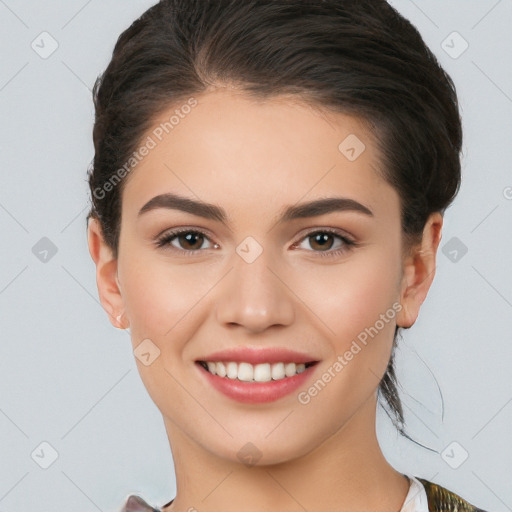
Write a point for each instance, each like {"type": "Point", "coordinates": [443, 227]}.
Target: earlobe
{"type": "Point", "coordinates": [419, 271]}
{"type": "Point", "coordinates": [120, 323]}
{"type": "Point", "coordinates": [106, 272]}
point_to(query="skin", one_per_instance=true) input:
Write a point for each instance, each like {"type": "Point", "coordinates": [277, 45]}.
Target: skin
{"type": "Point", "coordinates": [253, 159]}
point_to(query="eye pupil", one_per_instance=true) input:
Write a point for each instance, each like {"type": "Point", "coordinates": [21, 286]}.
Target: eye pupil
{"type": "Point", "coordinates": [321, 238]}
{"type": "Point", "coordinates": [190, 236]}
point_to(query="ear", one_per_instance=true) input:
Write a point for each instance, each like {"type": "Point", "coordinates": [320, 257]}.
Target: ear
{"type": "Point", "coordinates": [419, 270]}
{"type": "Point", "coordinates": [106, 273]}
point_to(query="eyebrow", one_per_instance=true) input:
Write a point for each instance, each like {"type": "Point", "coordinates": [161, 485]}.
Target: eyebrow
{"type": "Point", "coordinates": [213, 212]}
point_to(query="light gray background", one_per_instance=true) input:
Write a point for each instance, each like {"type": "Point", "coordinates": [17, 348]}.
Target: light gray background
{"type": "Point", "coordinates": [69, 378]}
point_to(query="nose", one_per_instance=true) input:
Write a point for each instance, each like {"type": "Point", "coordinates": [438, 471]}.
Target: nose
{"type": "Point", "coordinates": [254, 295]}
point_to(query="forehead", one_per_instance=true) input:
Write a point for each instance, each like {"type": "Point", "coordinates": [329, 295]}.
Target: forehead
{"type": "Point", "coordinates": [232, 148]}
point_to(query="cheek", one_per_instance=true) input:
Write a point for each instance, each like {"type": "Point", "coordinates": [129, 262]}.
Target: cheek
{"type": "Point", "coordinates": [158, 298]}
{"type": "Point", "coordinates": [356, 303]}
{"type": "Point", "coordinates": [167, 303]}
{"type": "Point", "coordinates": [351, 297]}
{"type": "Point", "coordinates": [159, 301]}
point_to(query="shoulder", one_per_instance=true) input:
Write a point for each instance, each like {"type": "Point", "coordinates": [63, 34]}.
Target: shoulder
{"type": "Point", "coordinates": [135, 503]}
{"type": "Point", "coordinates": [441, 499]}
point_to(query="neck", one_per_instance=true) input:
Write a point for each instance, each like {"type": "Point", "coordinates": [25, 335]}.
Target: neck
{"type": "Point", "coordinates": [347, 471]}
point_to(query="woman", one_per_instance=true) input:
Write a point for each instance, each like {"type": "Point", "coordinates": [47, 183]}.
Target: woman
{"type": "Point", "coordinates": [268, 190]}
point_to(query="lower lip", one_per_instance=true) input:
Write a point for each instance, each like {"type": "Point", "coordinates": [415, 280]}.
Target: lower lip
{"type": "Point", "coordinates": [257, 392]}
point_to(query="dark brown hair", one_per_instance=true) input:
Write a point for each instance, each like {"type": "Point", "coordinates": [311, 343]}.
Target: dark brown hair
{"type": "Point", "coordinates": [358, 57]}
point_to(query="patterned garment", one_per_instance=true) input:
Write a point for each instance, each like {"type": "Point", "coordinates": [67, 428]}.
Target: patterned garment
{"type": "Point", "coordinates": [443, 500]}
{"type": "Point", "coordinates": [423, 496]}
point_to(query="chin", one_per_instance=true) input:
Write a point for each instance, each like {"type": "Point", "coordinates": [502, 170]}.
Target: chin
{"type": "Point", "coordinates": [261, 453]}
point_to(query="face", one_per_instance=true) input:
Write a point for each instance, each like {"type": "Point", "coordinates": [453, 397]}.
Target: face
{"type": "Point", "coordinates": [260, 277]}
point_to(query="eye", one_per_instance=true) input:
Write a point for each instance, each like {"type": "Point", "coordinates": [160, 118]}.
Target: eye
{"type": "Point", "coordinates": [321, 239]}
{"type": "Point", "coordinates": [189, 241]}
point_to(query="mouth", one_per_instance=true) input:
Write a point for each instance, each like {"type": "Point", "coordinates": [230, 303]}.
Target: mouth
{"type": "Point", "coordinates": [262, 372]}
{"type": "Point", "coordinates": [258, 383]}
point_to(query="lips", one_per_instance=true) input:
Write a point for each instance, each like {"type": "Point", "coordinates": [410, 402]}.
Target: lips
{"type": "Point", "coordinates": [256, 375]}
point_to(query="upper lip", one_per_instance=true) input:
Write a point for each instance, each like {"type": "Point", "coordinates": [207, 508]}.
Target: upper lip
{"type": "Point", "coordinates": [258, 355]}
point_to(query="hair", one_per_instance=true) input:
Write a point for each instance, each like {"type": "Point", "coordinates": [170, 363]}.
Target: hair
{"type": "Point", "coordinates": [357, 57]}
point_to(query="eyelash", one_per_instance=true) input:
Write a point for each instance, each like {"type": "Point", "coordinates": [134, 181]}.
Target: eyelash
{"type": "Point", "coordinates": [168, 237]}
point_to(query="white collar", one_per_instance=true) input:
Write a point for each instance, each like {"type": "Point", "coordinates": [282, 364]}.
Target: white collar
{"type": "Point", "coordinates": [416, 499]}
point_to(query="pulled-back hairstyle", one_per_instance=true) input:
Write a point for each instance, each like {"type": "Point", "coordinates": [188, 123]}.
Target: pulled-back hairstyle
{"type": "Point", "coordinates": [358, 57]}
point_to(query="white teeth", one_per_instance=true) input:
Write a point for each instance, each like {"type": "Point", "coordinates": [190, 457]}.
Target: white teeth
{"type": "Point", "coordinates": [232, 370]}
{"type": "Point", "coordinates": [212, 368]}
{"type": "Point", "coordinates": [263, 372]}
{"type": "Point", "coordinates": [245, 372]}
{"type": "Point", "coordinates": [278, 371]}
{"type": "Point", "coordinates": [290, 369]}
{"type": "Point", "coordinates": [221, 369]}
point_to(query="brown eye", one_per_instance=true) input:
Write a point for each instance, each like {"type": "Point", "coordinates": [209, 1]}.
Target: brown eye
{"type": "Point", "coordinates": [321, 240]}
{"type": "Point", "coordinates": [192, 240]}
{"type": "Point", "coordinates": [187, 240]}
